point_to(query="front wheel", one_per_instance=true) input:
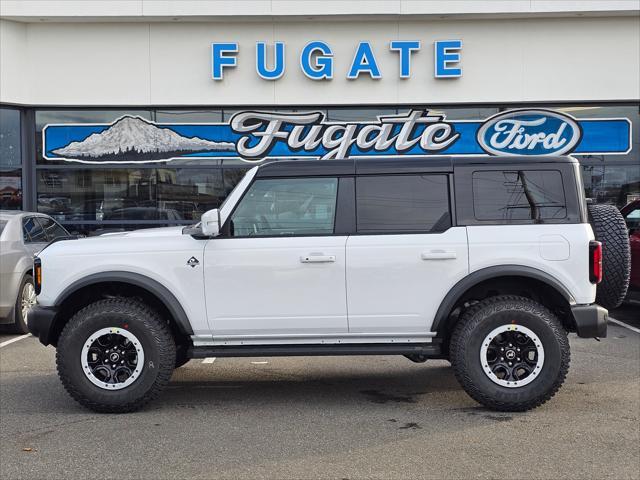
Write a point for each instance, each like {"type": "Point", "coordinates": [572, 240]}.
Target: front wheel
{"type": "Point", "coordinates": [115, 355]}
{"type": "Point", "coordinates": [26, 299]}
{"type": "Point", "coordinates": [510, 353]}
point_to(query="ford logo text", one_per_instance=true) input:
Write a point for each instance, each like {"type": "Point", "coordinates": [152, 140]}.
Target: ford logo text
{"type": "Point", "coordinates": [529, 132]}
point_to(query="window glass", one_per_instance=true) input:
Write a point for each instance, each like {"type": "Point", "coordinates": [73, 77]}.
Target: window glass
{"type": "Point", "coordinates": [11, 189]}
{"type": "Point", "coordinates": [3, 223]}
{"type": "Point", "coordinates": [402, 204]}
{"type": "Point", "coordinates": [97, 194]}
{"type": "Point", "coordinates": [10, 151]}
{"type": "Point", "coordinates": [33, 231]}
{"type": "Point", "coordinates": [288, 206]}
{"type": "Point", "coordinates": [616, 184]}
{"type": "Point", "coordinates": [232, 177]}
{"type": "Point", "coordinates": [185, 194]}
{"type": "Point", "coordinates": [52, 229]}
{"type": "Point", "coordinates": [518, 195]}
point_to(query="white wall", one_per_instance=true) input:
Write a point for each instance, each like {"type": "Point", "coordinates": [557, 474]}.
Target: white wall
{"type": "Point", "coordinates": [168, 63]}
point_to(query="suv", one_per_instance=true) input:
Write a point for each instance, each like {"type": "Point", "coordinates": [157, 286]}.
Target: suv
{"type": "Point", "coordinates": [487, 262]}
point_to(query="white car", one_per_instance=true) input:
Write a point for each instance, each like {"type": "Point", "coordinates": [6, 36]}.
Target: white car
{"type": "Point", "coordinates": [22, 235]}
{"type": "Point", "coordinates": [488, 263]}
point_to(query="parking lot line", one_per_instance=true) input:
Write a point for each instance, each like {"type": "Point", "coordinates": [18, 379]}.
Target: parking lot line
{"type": "Point", "coordinates": [209, 360]}
{"type": "Point", "coordinates": [625, 325]}
{"type": "Point", "coordinates": [9, 342]}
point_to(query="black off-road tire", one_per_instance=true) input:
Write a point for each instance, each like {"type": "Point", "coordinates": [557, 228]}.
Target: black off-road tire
{"type": "Point", "coordinates": [610, 228]}
{"type": "Point", "coordinates": [143, 322]}
{"type": "Point", "coordinates": [481, 319]}
{"type": "Point", "coordinates": [20, 323]}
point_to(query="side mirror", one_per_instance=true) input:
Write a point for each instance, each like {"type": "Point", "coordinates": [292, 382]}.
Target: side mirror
{"type": "Point", "coordinates": [210, 223]}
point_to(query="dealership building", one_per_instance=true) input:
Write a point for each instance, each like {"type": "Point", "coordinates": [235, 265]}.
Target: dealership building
{"type": "Point", "coordinates": [120, 115]}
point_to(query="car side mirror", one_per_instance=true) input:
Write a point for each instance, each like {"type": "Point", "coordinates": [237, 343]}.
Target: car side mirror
{"type": "Point", "coordinates": [210, 223]}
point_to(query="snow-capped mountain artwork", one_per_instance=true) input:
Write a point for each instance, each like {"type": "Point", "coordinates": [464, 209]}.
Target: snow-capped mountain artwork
{"type": "Point", "coordinates": [138, 140]}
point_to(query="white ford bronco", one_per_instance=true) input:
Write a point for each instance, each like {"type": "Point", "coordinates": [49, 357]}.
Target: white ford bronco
{"type": "Point", "coordinates": [486, 262]}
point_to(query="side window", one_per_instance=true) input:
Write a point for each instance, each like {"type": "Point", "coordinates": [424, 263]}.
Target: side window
{"type": "Point", "coordinates": [33, 231]}
{"type": "Point", "coordinates": [52, 229]}
{"type": "Point", "coordinates": [402, 204]}
{"type": "Point", "coordinates": [518, 195]}
{"type": "Point", "coordinates": [633, 219]}
{"type": "Point", "coordinates": [287, 206]}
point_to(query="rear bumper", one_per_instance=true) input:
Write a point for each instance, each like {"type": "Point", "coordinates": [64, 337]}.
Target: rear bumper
{"type": "Point", "coordinates": [40, 321]}
{"type": "Point", "coordinates": [591, 320]}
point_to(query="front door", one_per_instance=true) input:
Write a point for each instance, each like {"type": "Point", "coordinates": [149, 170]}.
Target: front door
{"type": "Point", "coordinates": [280, 272]}
{"type": "Point", "coordinates": [406, 255]}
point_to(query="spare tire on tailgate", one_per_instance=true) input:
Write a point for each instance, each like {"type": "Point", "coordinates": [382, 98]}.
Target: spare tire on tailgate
{"type": "Point", "coordinates": [610, 228]}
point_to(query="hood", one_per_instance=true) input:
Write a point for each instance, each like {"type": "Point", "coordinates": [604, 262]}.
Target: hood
{"type": "Point", "coordinates": [146, 232]}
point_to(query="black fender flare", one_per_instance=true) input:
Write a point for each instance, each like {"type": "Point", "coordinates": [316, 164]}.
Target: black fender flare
{"type": "Point", "coordinates": [152, 286]}
{"type": "Point", "coordinates": [488, 273]}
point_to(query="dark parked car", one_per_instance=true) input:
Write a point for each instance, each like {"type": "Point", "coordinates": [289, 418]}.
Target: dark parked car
{"type": "Point", "coordinates": [631, 214]}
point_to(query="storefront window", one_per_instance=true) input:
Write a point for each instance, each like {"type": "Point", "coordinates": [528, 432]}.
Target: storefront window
{"type": "Point", "coordinates": [10, 160]}
{"type": "Point", "coordinates": [612, 179]}
{"type": "Point", "coordinates": [94, 196]}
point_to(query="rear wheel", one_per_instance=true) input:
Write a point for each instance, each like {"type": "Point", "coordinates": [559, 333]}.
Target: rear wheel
{"type": "Point", "coordinates": [115, 355]}
{"type": "Point", "coordinates": [510, 353]}
{"type": "Point", "coordinates": [26, 299]}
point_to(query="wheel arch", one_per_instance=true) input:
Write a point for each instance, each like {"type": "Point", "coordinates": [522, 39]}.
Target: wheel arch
{"type": "Point", "coordinates": [105, 284]}
{"type": "Point", "coordinates": [493, 275]}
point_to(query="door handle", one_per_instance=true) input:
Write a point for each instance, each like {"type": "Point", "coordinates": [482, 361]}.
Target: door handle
{"type": "Point", "coordinates": [438, 255]}
{"type": "Point", "coordinates": [318, 258]}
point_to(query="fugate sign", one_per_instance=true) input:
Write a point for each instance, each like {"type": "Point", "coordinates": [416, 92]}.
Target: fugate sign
{"type": "Point", "coordinates": [255, 136]}
{"type": "Point", "coordinates": [316, 59]}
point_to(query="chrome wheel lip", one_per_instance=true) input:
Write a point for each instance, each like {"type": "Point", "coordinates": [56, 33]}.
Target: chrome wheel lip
{"type": "Point", "coordinates": [486, 368]}
{"type": "Point", "coordinates": [108, 331]}
{"type": "Point", "coordinates": [27, 300]}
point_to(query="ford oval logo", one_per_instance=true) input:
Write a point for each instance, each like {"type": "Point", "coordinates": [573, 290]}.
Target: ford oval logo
{"type": "Point", "coordinates": [529, 132]}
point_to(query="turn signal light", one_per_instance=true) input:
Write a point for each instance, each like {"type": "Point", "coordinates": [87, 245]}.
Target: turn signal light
{"type": "Point", "coordinates": [595, 262]}
{"type": "Point", "coordinates": [37, 274]}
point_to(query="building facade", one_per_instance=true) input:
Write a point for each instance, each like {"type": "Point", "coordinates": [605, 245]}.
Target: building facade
{"type": "Point", "coordinates": [120, 115]}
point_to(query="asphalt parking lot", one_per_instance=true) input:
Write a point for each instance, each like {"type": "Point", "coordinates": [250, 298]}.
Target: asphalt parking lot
{"type": "Point", "coordinates": [331, 417]}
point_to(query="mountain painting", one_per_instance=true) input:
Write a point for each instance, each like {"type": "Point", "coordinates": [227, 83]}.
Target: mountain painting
{"type": "Point", "coordinates": [133, 140]}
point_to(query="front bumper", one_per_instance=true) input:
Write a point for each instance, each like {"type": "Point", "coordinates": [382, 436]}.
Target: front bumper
{"type": "Point", "coordinates": [591, 320]}
{"type": "Point", "coordinates": [41, 322]}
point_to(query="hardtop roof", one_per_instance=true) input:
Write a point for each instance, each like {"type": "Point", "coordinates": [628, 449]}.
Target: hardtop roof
{"type": "Point", "coordinates": [390, 165]}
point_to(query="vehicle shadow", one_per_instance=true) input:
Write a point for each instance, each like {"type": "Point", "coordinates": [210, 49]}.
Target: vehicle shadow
{"type": "Point", "coordinates": [200, 389]}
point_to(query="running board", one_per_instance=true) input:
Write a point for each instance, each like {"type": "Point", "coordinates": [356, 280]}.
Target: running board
{"type": "Point", "coordinates": [427, 349]}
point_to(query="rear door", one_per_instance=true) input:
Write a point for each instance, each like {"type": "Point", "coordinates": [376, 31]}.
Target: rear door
{"type": "Point", "coordinates": [405, 255]}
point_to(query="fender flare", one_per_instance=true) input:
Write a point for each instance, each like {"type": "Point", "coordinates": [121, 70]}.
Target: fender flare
{"type": "Point", "coordinates": [488, 273]}
{"type": "Point", "coordinates": [152, 286]}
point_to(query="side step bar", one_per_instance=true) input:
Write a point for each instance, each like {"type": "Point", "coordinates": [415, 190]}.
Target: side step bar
{"type": "Point", "coordinates": [427, 349]}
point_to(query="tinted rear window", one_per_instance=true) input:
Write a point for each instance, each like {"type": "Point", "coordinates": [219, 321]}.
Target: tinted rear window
{"type": "Point", "coordinates": [518, 195]}
{"type": "Point", "coordinates": [402, 204]}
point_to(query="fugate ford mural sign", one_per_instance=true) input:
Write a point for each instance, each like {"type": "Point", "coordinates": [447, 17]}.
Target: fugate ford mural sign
{"type": "Point", "coordinates": [255, 136]}
{"type": "Point", "coordinates": [316, 59]}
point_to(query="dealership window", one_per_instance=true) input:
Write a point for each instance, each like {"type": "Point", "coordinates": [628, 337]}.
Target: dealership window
{"type": "Point", "coordinates": [402, 204]}
{"type": "Point", "coordinates": [10, 160]}
{"type": "Point", "coordinates": [179, 191]}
